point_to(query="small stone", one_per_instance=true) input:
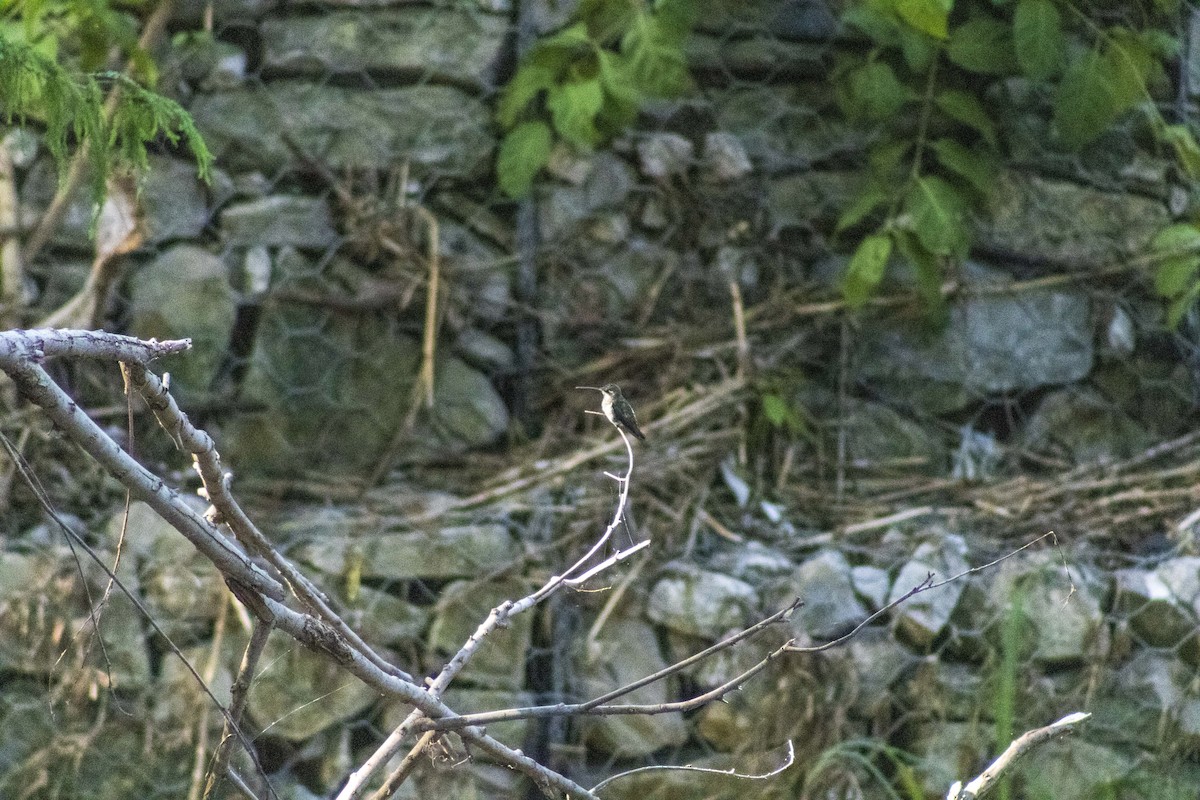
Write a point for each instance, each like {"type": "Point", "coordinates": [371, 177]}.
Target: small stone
{"type": "Point", "coordinates": [295, 220]}
{"type": "Point", "coordinates": [700, 603]}
{"type": "Point", "coordinates": [499, 663]}
{"type": "Point", "coordinates": [725, 158]}
{"type": "Point", "coordinates": [831, 608]}
{"type": "Point", "coordinates": [665, 155]}
{"type": "Point", "coordinates": [625, 650]}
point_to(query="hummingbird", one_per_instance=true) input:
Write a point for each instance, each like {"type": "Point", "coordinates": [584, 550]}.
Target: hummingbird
{"type": "Point", "coordinates": [617, 409]}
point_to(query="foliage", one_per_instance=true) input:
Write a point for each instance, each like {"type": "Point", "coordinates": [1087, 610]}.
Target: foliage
{"type": "Point", "coordinates": [1177, 253]}
{"type": "Point", "coordinates": [925, 85]}
{"type": "Point", "coordinates": [585, 83]}
{"type": "Point", "coordinates": [36, 84]}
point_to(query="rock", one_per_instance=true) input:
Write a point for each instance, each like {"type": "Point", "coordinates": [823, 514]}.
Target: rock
{"type": "Point", "coordinates": [382, 618]}
{"type": "Point", "coordinates": [499, 663]}
{"type": "Point", "coordinates": [1085, 427]}
{"type": "Point", "coordinates": [336, 389]}
{"type": "Point", "coordinates": [180, 587]}
{"type": "Point", "coordinates": [785, 19]}
{"type": "Point", "coordinates": [876, 435]}
{"type": "Point", "coordinates": [473, 701]}
{"type": "Point", "coordinates": [752, 562]}
{"type": "Point", "coordinates": [442, 44]}
{"type": "Point", "coordinates": [879, 664]}
{"type": "Point", "coordinates": [608, 184]}
{"type": "Point", "coordinates": [831, 607]}
{"type": "Point", "coordinates": [991, 344]}
{"type": "Point", "coordinates": [172, 202]}
{"type": "Point", "coordinates": [1156, 393]}
{"type": "Point", "coordinates": [780, 126]}
{"type": "Point", "coordinates": [304, 222]}
{"type": "Point", "coordinates": [871, 584]}
{"type": "Point", "coordinates": [950, 751]}
{"type": "Point", "coordinates": [936, 689]}
{"type": "Point", "coordinates": [625, 650]}
{"type": "Point", "coordinates": [484, 351]}
{"type": "Point", "coordinates": [921, 618]}
{"type": "Point", "coordinates": [440, 129]}
{"type": "Point", "coordinates": [1155, 614]}
{"type": "Point", "coordinates": [665, 155]}
{"type": "Point", "coordinates": [1144, 701]}
{"type": "Point", "coordinates": [193, 13]}
{"type": "Point", "coordinates": [724, 158]}
{"type": "Point", "coordinates": [1074, 769]}
{"type": "Point", "coordinates": [449, 553]}
{"type": "Point", "coordinates": [1059, 221]}
{"type": "Point", "coordinates": [810, 199]}
{"type": "Point", "coordinates": [290, 676]}
{"type": "Point", "coordinates": [758, 58]}
{"type": "Point", "coordinates": [1057, 632]}
{"type": "Point", "coordinates": [185, 293]}
{"type": "Point", "coordinates": [33, 592]}
{"type": "Point", "coordinates": [700, 603]}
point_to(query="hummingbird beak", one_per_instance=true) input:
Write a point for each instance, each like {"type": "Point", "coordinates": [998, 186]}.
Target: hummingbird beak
{"type": "Point", "coordinates": [593, 388]}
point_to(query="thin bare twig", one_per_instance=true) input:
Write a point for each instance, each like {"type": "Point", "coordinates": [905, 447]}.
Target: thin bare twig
{"type": "Point", "coordinates": [731, 772]}
{"type": "Point", "coordinates": [498, 617]}
{"type": "Point", "coordinates": [238, 695]}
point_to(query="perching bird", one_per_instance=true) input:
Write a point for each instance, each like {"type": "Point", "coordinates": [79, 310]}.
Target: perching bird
{"type": "Point", "coordinates": [617, 409]}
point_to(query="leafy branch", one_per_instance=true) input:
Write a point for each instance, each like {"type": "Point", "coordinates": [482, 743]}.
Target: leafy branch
{"type": "Point", "coordinates": [35, 87]}
{"type": "Point", "coordinates": [924, 86]}
{"type": "Point", "coordinates": [585, 83]}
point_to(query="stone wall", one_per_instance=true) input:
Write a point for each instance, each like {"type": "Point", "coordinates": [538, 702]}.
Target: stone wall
{"type": "Point", "coordinates": [300, 274]}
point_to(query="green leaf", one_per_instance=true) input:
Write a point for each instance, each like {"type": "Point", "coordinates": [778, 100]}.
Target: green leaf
{"type": "Point", "coordinates": [775, 409]}
{"type": "Point", "coordinates": [1177, 239]}
{"type": "Point", "coordinates": [871, 198]}
{"type": "Point", "coordinates": [866, 269]}
{"type": "Point", "coordinates": [1187, 151]}
{"type": "Point", "coordinates": [887, 159]}
{"type": "Point", "coordinates": [874, 93]}
{"type": "Point", "coordinates": [919, 50]}
{"type": "Point", "coordinates": [573, 37]}
{"type": "Point", "coordinates": [927, 269]}
{"type": "Point", "coordinates": [573, 107]}
{"type": "Point", "coordinates": [530, 79]}
{"type": "Point", "coordinates": [879, 26]}
{"type": "Point", "coordinates": [1178, 249]}
{"type": "Point", "coordinates": [1175, 275]}
{"type": "Point", "coordinates": [523, 153]}
{"type": "Point", "coordinates": [983, 45]}
{"type": "Point", "coordinates": [978, 168]}
{"type": "Point", "coordinates": [1095, 90]}
{"type": "Point", "coordinates": [966, 108]}
{"type": "Point", "coordinates": [927, 16]}
{"type": "Point", "coordinates": [1182, 305]}
{"type": "Point", "coordinates": [1038, 38]}
{"type": "Point", "coordinates": [938, 217]}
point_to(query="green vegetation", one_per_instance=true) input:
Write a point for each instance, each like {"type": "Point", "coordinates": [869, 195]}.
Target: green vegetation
{"type": "Point", "coordinates": [585, 83]}
{"type": "Point", "coordinates": [928, 84]}
{"type": "Point", "coordinates": [49, 56]}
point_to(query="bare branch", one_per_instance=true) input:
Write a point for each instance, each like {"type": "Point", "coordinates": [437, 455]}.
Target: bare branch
{"type": "Point", "coordinates": [498, 617]}
{"type": "Point", "coordinates": [1021, 745]}
{"type": "Point", "coordinates": [19, 354]}
{"type": "Point", "coordinates": [216, 485]}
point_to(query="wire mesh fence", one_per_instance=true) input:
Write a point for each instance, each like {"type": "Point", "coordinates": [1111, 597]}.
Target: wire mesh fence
{"type": "Point", "coordinates": [353, 260]}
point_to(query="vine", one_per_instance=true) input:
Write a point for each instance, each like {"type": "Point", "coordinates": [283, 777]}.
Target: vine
{"type": "Point", "coordinates": [923, 84]}
{"type": "Point", "coordinates": [584, 84]}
